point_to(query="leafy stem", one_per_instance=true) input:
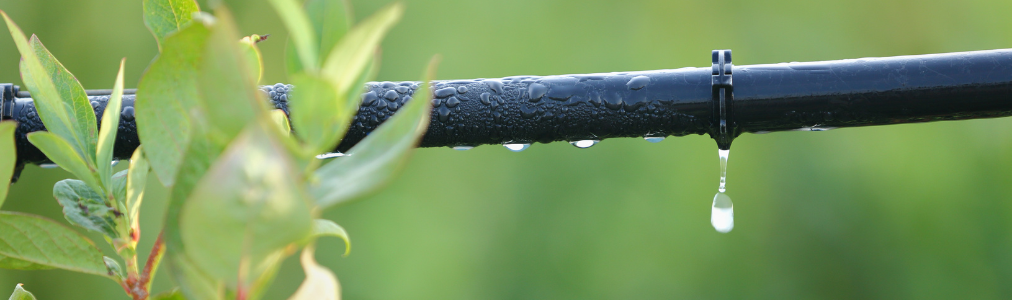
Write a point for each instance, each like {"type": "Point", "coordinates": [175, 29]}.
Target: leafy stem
{"type": "Point", "coordinates": [138, 284]}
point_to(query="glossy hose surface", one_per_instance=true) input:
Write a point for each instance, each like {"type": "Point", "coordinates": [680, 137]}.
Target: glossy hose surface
{"type": "Point", "coordinates": [775, 97]}
{"type": "Point", "coordinates": [874, 91]}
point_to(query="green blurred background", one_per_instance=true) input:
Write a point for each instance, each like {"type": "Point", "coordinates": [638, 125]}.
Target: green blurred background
{"type": "Point", "coordinates": [908, 211]}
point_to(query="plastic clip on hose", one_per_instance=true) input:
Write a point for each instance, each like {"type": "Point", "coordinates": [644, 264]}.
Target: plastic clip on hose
{"type": "Point", "coordinates": [9, 93]}
{"type": "Point", "coordinates": [723, 129]}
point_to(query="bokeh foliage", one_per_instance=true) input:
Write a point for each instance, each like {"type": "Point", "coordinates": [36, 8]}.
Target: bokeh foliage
{"type": "Point", "coordinates": [908, 211]}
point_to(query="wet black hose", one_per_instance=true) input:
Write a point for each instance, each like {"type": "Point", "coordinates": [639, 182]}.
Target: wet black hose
{"type": "Point", "coordinates": [759, 98]}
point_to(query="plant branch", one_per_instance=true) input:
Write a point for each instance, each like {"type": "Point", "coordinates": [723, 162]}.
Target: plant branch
{"type": "Point", "coordinates": [154, 259]}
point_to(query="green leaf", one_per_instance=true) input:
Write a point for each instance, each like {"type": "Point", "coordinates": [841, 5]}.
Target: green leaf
{"type": "Point", "coordinates": [164, 17]}
{"type": "Point", "coordinates": [319, 116]}
{"type": "Point", "coordinates": [374, 160]}
{"type": "Point", "coordinates": [60, 99]}
{"type": "Point", "coordinates": [251, 53]}
{"type": "Point", "coordinates": [267, 270]}
{"type": "Point", "coordinates": [86, 208]}
{"type": "Point", "coordinates": [17, 264]}
{"type": "Point", "coordinates": [229, 95]}
{"type": "Point", "coordinates": [62, 153]}
{"type": "Point", "coordinates": [330, 20]}
{"type": "Point", "coordinates": [113, 266]}
{"type": "Point", "coordinates": [351, 57]}
{"type": "Point", "coordinates": [320, 283]}
{"type": "Point", "coordinates": [8, 157]}
{"type": "Point", "coordinates": [175, 294]}
{"type": "Point", "coordinates": [195, 283]}
{"type": "Point", "coordinates": [42, 241]}
{"type": "Point", "coordinates": [301, 31]}
{"type": "Point", "coordinates": [137, 178]}
{"type": "Point", "coordinates": [119, 187]}
{"type": "Point", "coordinates": [249, 205]}
{"type": "Point", "coordinates": [281, 120]}
{"type": "Point", "coordinates": [166, 96]}
{"type": "Point", "coordinates": [354, 95]}
{"type": "Point", "coordinates": [324, 227]}
{"type": "Point", "coordinates": [21, 294]}
{"type": "Point", "coordinates": [107, 132]}
{"type": "Point", "coordinates": [74, 99]}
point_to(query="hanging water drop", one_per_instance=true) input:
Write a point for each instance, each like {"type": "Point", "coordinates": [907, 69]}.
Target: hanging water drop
{"type": "Point", "coordinates": [517, 147]}
{"type": "Point", "coordinates": [115, 162]}
{"type": "Point", "coordinates": [723, 168]}
{"type": "Point", "coordinates": [654, 139]}
{"type": "Point", "coordinates": [463, 148]}
{"type": "Point", "coordinates": [583, 144]}
{"type": "Point", "coordinates": [330, 155]}
{"type": "Point", "coordinates": [722, 213]}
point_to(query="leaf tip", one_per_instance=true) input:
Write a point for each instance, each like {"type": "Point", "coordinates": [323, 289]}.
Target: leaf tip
{"type": "Point", "coordinates": [398, 8]}
{"type": "Point", "coordinates": [430, 70]}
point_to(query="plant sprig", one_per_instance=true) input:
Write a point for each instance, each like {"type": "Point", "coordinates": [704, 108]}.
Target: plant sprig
{"type": "Point", "coordinates": [245, 191]}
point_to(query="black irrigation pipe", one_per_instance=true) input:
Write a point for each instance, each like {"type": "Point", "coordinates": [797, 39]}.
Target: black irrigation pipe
{"type": "Point", "coordinates": [722, 101]}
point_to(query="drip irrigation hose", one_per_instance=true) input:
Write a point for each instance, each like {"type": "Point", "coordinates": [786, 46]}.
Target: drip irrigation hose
{"type": "Point", "coordinates": [723, 101]}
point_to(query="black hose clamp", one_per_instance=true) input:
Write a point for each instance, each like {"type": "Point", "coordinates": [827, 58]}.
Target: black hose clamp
{"type": "Point", "coordinates": [722, 126]}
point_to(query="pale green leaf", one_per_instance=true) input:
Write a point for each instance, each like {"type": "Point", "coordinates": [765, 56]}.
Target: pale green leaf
{"type": "Point", "coordinates": [330, 20]}
{"type": "Point", "coordinates": [61, 152]}
{"type": "Point", "coordinates": [354, 95]}
{"type": "Point", "coordinates": [198, 159]}
{"type": "Point", "coordinates": [175, 294]}
{"type": "Point", "coordinates": [250, 51]}
{"type": "Point", "coordinates": [281, 120]}
{"type": "Point", "coordinates": [320, 283]}
{"type": "Point", "coordinates": [42, 241]}
{"type": "Point", "coordinates": [375, 159]}
{"type": "Point", "coordinates": [112, 265]}
{"type": "Point", "coordinates": [137, 178]}
{"type": "Point", "coordinates": [350, 58]}
{"type": "Point", "coordinates": [248, 206]}
{"type": "Point", "coordinates": [229, 95]}
{"type": "Point", "coordinates": [107, 132]}
{"type": "Point", "coordinates": [86, 208]}
{"type": "Point", "coordinates": [60, 99]}
{"type": "Point", "coordinates": [164, 17]}
{"type": "Point", "coordinates": [319, 115]}
{"type": "Point", "coordinates": [301, 31]}
{"type": "Point", "coordinates": [166, 96]}
{"type": "Point", "coordinates": [267, 270]}
{"type": "Point", "coordinates": [8, 157]}
{"type": "Point", "coordinates": [119, 186]}
{"type": "Point", "coordinates": [196, 284]}
{"type": "Point", "coordinates": [193, 282]}
{"type": "Point", "coordinates": [21, 294]}
{"type": "Point", "coordinates": [17, 264]}
{"type": "Point", "coordinates": [74, 99]}
{"type": "Point", "coordinates": [324, 227]}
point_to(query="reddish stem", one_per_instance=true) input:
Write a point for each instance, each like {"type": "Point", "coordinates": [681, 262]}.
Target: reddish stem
{"type": "Point", "coordinates": [154, 259]}
{"type": "Point", "coordinates": [241, 293]}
